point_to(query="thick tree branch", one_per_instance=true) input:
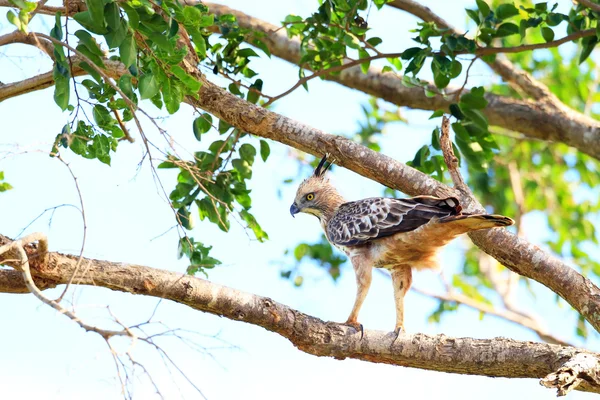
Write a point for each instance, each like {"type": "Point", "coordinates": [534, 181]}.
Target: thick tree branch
{"type": "Point", "coordinates": [535, 119]}
{"type": "Point", "coordinates": [488, 357]}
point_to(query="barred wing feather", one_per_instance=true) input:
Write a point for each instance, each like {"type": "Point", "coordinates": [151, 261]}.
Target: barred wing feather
{"type": "Point", "coordinates": [359, 222]}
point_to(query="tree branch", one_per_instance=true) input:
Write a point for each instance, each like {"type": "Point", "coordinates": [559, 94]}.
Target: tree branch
{"type": "Point", "coordinates": [497, 357]}
{"type": "Point", "coordinates": [589, 4]}
{"type": "Point", "coordinates": [42, 81]}
{"type": "Point", "coordinates": [532, 118]}
{"type": "Point", "coordinates": [30, 39]}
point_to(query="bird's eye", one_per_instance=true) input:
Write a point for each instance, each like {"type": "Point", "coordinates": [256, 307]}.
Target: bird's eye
{"type": "Point", "coordinates": [310, 196]}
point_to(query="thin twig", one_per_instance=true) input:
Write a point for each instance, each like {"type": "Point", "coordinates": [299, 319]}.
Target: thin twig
{"type": "Point", "coordinates": [450, 158]}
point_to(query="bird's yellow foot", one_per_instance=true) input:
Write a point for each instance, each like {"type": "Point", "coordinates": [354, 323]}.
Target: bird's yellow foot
{"type": "Point", "coordinates": [358, 327]}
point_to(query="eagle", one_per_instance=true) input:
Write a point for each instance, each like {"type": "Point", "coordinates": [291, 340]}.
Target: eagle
{"type": "Point", "coordinates": [390, 233]}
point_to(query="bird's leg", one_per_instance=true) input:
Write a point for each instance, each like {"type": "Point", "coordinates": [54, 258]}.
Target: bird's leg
{"type": "Point", "coordinates": [363, 272]}
{"type": "Point", "coordinates": [401, 279]}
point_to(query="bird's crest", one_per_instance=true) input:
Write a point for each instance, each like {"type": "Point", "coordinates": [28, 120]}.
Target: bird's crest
{"type": "Point", "coordinates": [322, 167]}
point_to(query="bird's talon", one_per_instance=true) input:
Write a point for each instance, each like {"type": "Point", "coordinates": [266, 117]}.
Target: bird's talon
{"type": "Point", "coordinates": [358, 327]}
{"type": "Point", "coordinates": [397, 332]}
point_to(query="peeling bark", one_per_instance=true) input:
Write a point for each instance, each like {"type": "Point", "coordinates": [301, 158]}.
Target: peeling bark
{"type": "Point", "coordinates": [579, 369]}
{"type": "Point", "coordinates": [498, 357]}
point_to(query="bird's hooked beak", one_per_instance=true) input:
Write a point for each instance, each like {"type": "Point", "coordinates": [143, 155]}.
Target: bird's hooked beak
{"type": "Point", "coordinates": [294, 209]}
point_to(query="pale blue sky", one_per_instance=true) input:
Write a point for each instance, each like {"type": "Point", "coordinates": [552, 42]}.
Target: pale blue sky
{"type": "Point", "coordinates": [46, 356]}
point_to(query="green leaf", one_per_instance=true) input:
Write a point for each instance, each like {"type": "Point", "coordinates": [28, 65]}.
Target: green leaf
{"type": "Point", "coordinates": [116, 36]}
{"type": "Point", "coordinates": [441, 80]}
{"type": "Point", "coordinates": [148, 85]}
{"type": "Point", "coordinates": [184, 218]}
{"type": "Point", "coordinates": [89, 54]}
{"type": "Point", "coordinates": [262, 45]}
{"type": "Point", "coordinates": [62, 90]}
{"type": "Point", "coordinates": [474, 15]}
{"type": "Point", "coordinates": [88, 41]}
{"type": "Point", "coordinates": [261, 235]}
{"type": "Point", "coordinates": [506, 29]}
{"type": "Point", "coordinates": [126, 85]}
{"type": "Point", "coordinates": [191, 83]}
{"type": "Point", "coordinates": [435, 139]}
{"type": "Point", "coordinates": [476, 117]}
{"type": "Point", "coordinates": [128, 51]}
{"type": "Point", "coordinates": [85, 19]}
{"type": "Point", "coordinates": [96, 11]}
{"type": "Point", "coordinates": [57, 32]}
{"type": "Point", "coordinates": [473, 99]}
{"type": "Point", "coordinates": [455, 111]}
{"type": "Point", "coordinates": [254, 95]}
{"type": "Point", "coordinates": [247, 153]}
{"type": "Point", "coordinates": [396, 63]}
{"type": "Point", "coordinates": [172, 95]}
{"type": "Point", "coordinates": [410, 53]}
{"type": "Point", "coordinates": [93, 73]}
{"type": "Point", "coordinates": [362, 54]}
{"type": "Point", "coordinates": [484, 9]}
{"type": "Point", "coordinates": [437, 114]}
{"type": "Point", "coordinates": [265, 150]}
{"type": "Point", "coordinates": [374, 41]}
{"type": "Point", "coordinates": [101, 116]}
{"type": "Point", "coordinates": [14, 19]}
{"type": "Point", "coordinates": [588, 44]}
{"type": "Point", "coordinates": [455, 69]}
{"type": "Point", "coordinates": [112, 16]}
{"type": "Point", "coordinates": [547, 34]}
{"type": "Point", "coordinates": [201, 125]}
{"type": "Point", "coordinates": [505, 11]}
{"type": "Point", "coordinates": [223, 126]}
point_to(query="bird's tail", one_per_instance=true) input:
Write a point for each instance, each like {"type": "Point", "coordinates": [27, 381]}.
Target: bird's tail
{"type": "Point", "coordinates": [473, 222]}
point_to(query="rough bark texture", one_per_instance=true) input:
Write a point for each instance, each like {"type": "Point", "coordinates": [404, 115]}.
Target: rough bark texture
{"type": "Point", "coordinates": [541, 120]}
{"type": "Point", "coordinates": [498, 357]}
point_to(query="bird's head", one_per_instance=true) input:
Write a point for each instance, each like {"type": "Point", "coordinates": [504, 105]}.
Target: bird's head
{"type": "Point", "coordinates": [316, 195]}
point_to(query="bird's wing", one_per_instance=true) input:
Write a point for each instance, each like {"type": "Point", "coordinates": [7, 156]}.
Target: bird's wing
{"type": "Point", "coordinates": [359, 222]}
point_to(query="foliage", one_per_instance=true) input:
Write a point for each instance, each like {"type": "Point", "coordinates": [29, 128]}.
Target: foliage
{"type": "Point", "coordinates": [4, 186]}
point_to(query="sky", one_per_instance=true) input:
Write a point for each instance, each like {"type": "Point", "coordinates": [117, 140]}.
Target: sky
{"type": "Point", "coordinates": [47, 356]}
